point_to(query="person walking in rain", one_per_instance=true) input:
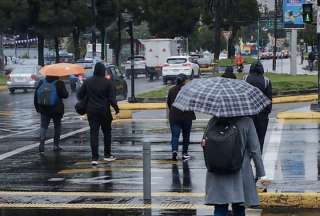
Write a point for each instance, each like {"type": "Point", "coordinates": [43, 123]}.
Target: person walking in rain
{"type": "Point", "coordinates": [48, 101]}
{"type": "Point", "coordinates": [229, 73]}
{"type": "Point", "coordinates": [256, 78]}
{"type": "Point", "coordinates": [179, 120]}
{"type": "Point", "coordinates": [237, 188]}
{"type": "Point", "coordinates": [100, 94]}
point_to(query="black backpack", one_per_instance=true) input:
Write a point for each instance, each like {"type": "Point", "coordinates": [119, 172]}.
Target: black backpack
{"type": "Point", "coordinates": [223, 147]}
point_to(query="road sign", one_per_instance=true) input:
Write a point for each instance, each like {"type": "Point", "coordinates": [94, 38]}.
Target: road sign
{"type": "Point", "coordinates": [227, 35]}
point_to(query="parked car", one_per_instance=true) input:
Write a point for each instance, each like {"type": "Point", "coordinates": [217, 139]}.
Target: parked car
{"type": "Point", "coordinates": [24, 78]}
{"type": "Point", "coordinates": [195, 57]}
{"type": "Point", "coordinates": [179, 65]}
{"type": "Point", "coordinates": [112, 73]}
{"type": "Point", "coordinates": [204, 63]}
{"type": "Point", "coordinates": [86, 63]}
{"type": "Point", "coordinates": [139, 66]}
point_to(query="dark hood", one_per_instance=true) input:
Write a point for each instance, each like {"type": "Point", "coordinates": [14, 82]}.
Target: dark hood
{"type": "Point", "coordinates": [99, 70]}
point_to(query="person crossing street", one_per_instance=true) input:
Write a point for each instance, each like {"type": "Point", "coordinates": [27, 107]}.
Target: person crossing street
{"type": "Point", "coordinates": [100, 94]}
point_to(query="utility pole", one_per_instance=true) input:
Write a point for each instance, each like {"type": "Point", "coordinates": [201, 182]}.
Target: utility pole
{"type": "Point", "coordinates": [275, 33]}
{"type": "Point", "coordinates": [258, 40]}
{"type": "Point", "coordinates": [94, 44]}
{"type": "Point", "coordinates": [133, 98]}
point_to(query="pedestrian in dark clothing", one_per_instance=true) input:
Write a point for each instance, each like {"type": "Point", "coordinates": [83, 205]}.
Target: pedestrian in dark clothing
{"type": "Point", "coordinates": [228, 73]}
{"type": "Point", "coordinates": [100, 94]}
{"type": "Point", "coordinates": [48, 112]}
{"type": "Point", "coordinates": [256, 78]}
{"type": "Point", "coordinates": [311, 58]}
{"type": "Point", "coordinates": [179, 120]}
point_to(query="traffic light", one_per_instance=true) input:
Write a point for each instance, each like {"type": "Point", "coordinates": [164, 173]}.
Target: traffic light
{"type": "Point", "coordinates": [307, 13]}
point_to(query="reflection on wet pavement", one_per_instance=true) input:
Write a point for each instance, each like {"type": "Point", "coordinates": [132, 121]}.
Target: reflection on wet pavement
{"type": "Point", "coordinates": [291, 159]}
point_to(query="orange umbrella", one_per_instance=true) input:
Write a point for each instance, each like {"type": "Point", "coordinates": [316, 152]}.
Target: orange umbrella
{"type": "Point", "coordinates": [62, 69]}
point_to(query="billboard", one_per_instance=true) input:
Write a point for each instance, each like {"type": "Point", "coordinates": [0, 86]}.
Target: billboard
{"type": "Point", "coordinates": [292, 14]}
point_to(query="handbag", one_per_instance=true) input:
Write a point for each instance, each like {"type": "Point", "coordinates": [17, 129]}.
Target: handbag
{"type": "Point", "coordinates": [81, 106]}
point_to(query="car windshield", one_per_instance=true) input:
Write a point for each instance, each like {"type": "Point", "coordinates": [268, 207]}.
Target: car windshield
{"type": "Point", "coordinates": [176, 60]}
{"type": "Point", "coordinates": [24, 70]}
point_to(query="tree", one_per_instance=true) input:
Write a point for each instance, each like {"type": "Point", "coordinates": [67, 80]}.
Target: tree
{"type": "Point", "coordinates": [229, 15]}
{"type": "Point", "coordinates": [106, 15]}
{"type": "Point", "coordinates": [168, 19]}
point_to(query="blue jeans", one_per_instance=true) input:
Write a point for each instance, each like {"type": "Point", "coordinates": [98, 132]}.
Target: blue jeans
{"type": "Point", "coordinates": [222, 210]}
{"type": "Point", "coordinates": [176, 128]}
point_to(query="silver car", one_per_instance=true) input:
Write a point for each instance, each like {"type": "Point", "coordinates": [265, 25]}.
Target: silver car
{"type": "Point", "coordinates": [24, 78]}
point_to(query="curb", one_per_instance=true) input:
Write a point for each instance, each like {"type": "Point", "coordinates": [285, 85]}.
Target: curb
{"type": "Point", "coordinates": [267, 201]}
{"type": "Point", "coordinates": [124, 114]}
{"type": "Point", "coordinates": [142, 106]}
{"type": "Point", "coordinates": [3, 88]}
{"type": "Point", "coordinates": [294, 99]}
{"type": "Point", "coordinates": [277, 100]}
{"type": "Point", "coordinates": [290, 200]}
{"type": "Point", "coordinates": [298, 115]}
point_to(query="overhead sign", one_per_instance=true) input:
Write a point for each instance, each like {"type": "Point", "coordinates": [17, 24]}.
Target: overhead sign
{"type": "Point", "coordinates": [293, 14]}
{"type": "Point", "coordinates": [227, 34]}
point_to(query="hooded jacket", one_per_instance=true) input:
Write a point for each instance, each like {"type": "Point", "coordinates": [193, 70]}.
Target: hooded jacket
{"type": "Point", "coordinates": [57, 110]}
{"type": "Point", "coordinates": [100, 93]}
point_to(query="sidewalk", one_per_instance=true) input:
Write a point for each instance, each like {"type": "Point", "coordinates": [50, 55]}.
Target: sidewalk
{"type": "Point", "coordinates": [67, 180]}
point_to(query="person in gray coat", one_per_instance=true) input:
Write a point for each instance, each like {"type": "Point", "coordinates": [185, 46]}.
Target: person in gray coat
{"type": "Point", "coordinates": [238, 189]}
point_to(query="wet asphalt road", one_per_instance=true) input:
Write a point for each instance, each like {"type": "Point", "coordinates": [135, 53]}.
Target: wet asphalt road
{"type": "Point", "coordinates": [291, 157]}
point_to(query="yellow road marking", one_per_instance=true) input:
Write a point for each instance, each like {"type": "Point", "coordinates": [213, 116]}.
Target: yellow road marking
{"type": "Point", "coordinates": [296, 200]}
{"type": "Point", "coordinates": [129, 161]}
{"type": "Point", "coordinates": [108, 169]}
{"type": "Point", "coordinates": [172, 206]}
{"type": "Point", "coordinates": [99, 194]}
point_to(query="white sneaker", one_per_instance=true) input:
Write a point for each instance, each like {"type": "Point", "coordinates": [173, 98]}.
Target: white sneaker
{"type": "Point", "coordinates": [110, 158]}
{"type": "Point", "coordinates": [94, 163]}
{"type": "Point", "coordinates": [186, 157]}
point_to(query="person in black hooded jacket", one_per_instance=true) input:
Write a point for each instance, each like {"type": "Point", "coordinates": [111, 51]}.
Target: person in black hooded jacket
{"type": "Point", "coordinates": [100, 94]}
{"type": "Point", "coordinates": [256, 78]}
{"type": "Point", "coordinates": [179, 120]}
{"type": "Point", "coordinates": [51, 112]}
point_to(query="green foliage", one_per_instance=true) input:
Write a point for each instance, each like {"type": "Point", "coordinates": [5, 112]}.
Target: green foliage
{"type": "Point", "coordinates": [230, 62]}
{"type": "Point", "coordinates": [280, 84]}
{"type": "Point", "coordinates": [168, 18]}
{"type": "Point", "coordinates": [3, 80]}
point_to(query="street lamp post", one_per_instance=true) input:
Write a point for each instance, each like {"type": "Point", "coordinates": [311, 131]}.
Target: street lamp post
{"type": "Point", "coordinates": [129, 20]}
{"type": "Point", "coordinates": [275, 32]}
{"type": "Point", "coordinates": [94, 13]}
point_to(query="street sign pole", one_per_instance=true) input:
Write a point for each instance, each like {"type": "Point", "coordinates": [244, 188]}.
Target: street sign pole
{"type": "Point", "coordinates": [293, 57]}
{"type": "Point", "coordinates": [227, 35]}
{"type": "Point", "coordinates": [316, 106]}
{"type": "Point", "coordinates": [275, 33]}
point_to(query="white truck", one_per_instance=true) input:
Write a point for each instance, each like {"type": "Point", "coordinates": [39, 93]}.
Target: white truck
{"type": "Point", "coordinates": [156, 53]}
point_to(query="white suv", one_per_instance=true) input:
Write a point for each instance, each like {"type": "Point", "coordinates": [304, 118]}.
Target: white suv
{"type": "Point", "coordinates": [176, 65]}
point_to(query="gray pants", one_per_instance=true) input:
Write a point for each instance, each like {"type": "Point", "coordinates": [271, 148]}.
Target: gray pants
{"type": "Point", "coordinates": [45, 121]}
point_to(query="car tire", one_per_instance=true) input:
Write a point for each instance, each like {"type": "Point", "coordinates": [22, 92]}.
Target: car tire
{"type": "Point", "coordinates": [11, 90]}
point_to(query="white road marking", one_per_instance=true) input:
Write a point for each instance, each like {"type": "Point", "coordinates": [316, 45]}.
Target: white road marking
{"type": "Point", "coordinates": [271, 151]}
{"type": "Point", "coordinates": [31, 146]}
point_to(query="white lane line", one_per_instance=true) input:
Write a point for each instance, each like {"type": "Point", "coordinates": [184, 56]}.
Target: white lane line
{"type": "Point", "coordinates": [31, 146]}
{"type": "Point", "coordinates": [271, 151]}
